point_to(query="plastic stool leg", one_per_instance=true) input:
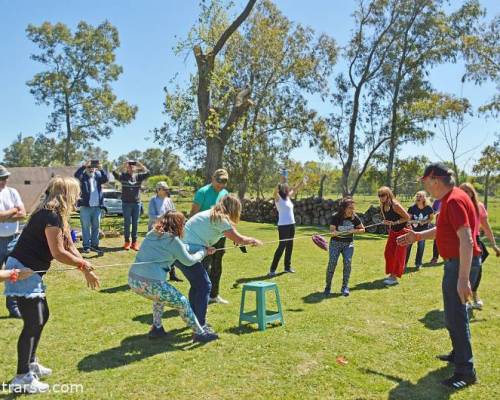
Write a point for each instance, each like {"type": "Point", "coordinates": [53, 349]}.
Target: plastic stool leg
{"type": "Point", "coordinates": [278, 301]}
{"type": "Point", "coordinates": [242, 306]}
{"type": "Point", "coordinates": [261, 309]}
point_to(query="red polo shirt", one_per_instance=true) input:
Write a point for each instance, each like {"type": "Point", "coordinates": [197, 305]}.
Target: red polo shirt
{"type": "Point", "coordinates": [457, 210]}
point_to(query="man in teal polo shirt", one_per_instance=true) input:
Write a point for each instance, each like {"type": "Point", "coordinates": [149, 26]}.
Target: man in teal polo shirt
{"type": "Point", "coordinates": [204, 199]}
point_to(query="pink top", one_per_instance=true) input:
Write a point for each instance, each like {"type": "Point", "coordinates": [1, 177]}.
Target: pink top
{"type": "Point", "coordinates": [483, 214]}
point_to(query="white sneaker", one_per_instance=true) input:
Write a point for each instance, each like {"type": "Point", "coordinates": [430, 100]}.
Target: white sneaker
{"type": "Point", "coordinates": [28, 383]}
{"type": "Point", "coordinates": [218, 300]}
{"type": "Point", "coordinates": [39, 370]}
{"type": "Point", "coordinates": [477, 304]}
{"type": "Point", "coordinates": [391, 281]}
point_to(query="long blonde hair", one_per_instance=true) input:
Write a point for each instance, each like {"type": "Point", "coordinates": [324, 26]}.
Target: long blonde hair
{"type": "Point", "coordinates": [471, 192]}
{"type": "Point", "coordinates": [61, 196]}
{"type": "Point", "coordinates": [227, 207]}
{"type": "Point", "coordinates": [426, 198]}
{"type": "Point", "coordinates": [390, 198]}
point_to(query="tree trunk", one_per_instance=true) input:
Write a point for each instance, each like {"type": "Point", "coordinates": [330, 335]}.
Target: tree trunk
{"type": "Point", "coordinates": [346, 169]}
{"type": "Point", "coordinates": [67, 141]}
{"type": "Point", "coordinates": [321, 186]}
{"type": "Point", "coordinates": [486, 189]}
{"type": "Point", "coordinates": [215, 150]}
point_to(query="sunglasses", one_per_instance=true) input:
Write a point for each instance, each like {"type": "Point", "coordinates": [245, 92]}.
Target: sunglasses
{"type": "Point", "coordinates": [3, 178]}
{"type": "Point", "coordinates": [221, 180]}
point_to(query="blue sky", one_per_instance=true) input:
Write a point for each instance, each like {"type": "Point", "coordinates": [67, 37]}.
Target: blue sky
{"type": "Point", "coordinates": [148, 31]}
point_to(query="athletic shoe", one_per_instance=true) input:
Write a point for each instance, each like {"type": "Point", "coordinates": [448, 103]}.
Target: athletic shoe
{"type": "Point", "coordinates": [445, 357]}
{"type": "Point", "coordinates": [28, 383]}
{"type": "Point", "coordinates": [417, 267]}
{"type": "Point", "coordinates": [126, 246]}
{"type": "Point", "coordinates": [391, 281]}
{"type": "Point", "coordinates": [218, 300]}
{"type": "Point", "coordinates": [204, 337]}
{"type": "Point", "coordinates": [156, 333]}
{"type": "Point", "coordinates": [345, 291]}
{"type": "Point", "coordinates": [86, 250]}
{"type": "Point", "coordinates": [459, 381]}
{"type": "Point", "coordinates": [290, 270]}
{"type": "Point", "coordinates": [327, 292]}
{"type": "Point", "coordinates": [208, 328]}
{"type": "Point", "coordinates": [477, 304]}
{"type": "Point", "coordinates": [134, 246]}
{"type": "Point", "coordinates": [39, 370]}
{"type": "Point", "coordinates": [271, 274]}
{"type": "Point", "coordinates": [434, 261]}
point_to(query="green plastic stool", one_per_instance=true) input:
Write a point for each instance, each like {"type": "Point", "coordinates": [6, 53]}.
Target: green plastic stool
{"type": "Point", "coordinates": [261, 315]}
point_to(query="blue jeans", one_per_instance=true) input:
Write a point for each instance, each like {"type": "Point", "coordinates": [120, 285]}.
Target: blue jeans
{"type": "Point", "coordinates": [90, 218]}
{"type": "Point", "coordinates": [199, 291]}
{"type": "Point", "coordinates": [338, 247]}
{"type": "Point", "coordinates": [11, 301]}
{"type": "Point", "coordinates": [420, 253]}
{"type": "Point", "coordinates": [456, 317]}
{"type": "Point", "coordinates": [131, 213]}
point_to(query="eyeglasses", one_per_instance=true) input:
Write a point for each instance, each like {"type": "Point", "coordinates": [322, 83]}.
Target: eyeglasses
{"type": "Point", "coordinates": [221, 180]}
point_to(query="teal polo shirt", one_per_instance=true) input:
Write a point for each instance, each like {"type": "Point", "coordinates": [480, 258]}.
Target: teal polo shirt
{"type": "Point", "coordinates": [206, 197]}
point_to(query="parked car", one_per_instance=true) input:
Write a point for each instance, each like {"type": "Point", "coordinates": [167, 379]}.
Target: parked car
{"type": "Point", "coordinates": [112, 202]}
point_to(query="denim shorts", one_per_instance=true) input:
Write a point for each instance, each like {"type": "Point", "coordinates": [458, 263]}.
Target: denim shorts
{"type": "Point", "coordinates": [30, 288]}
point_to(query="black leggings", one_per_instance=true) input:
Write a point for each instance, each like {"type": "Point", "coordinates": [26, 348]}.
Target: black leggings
{"type": "Point", "coordinates": [484, 256]}
{"type": "Point", "coordinates": [213, 265]}
{"type": "Point", "coordinates": [285, 232]}
{"type": "Point", "coordinates": [35, 314]}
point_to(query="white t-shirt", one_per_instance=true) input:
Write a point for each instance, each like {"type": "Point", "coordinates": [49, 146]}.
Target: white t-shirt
{"type": "Point", "coordinates": [9, 198]}
{"type": "Point", "coordinates": [285, 211]}
{"type": "Point", "coordinates": [94, 194]}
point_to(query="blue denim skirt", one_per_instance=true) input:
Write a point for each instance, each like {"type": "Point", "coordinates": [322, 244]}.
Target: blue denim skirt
{"type": "Point", "coordinates": [31, 287]}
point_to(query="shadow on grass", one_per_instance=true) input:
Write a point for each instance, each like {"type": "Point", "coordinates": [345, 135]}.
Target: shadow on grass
{"type": "Point", "coordinates": [247, 328]}
{"type": "Point", "coordinates": [136, 348]}
{"type": "Point", "coordinates": [433, 320]}
{"type": "Point", "coordinates": [265, 277]}
{"type": "Point", "coordinates": [318, 297]}
{"type": "Point", "coordinates": [427, 387]}
{"type": "Point", "coordinates": [433, 265]}
{"type": "Point", "coordinates": [373, 285]}
{"type": "Point", "coordinates": [148, 318]}
{"type": "Point", "coordinates": [116, 289]}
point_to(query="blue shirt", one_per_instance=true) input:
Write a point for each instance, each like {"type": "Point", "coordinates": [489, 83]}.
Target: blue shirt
{"type": "Point", "coordinates": [157, 207]}
{"type": "Point", "coordinates": [199, 230]}
{"type": "Point", "coordinates": [157, 254]}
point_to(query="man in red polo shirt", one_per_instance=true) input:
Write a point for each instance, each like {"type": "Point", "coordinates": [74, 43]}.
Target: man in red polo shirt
{"type": "Point", "coordinates": [459, 249]}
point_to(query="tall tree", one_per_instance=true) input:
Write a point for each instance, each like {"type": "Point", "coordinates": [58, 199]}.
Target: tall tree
{"type": "Point", "coordinates": [489, 166]}
{"type": "Point", "coordinates": [80, 68]}
{"type": "Point", "coordinates": [220, 104]}
{"type": "Point", "coordinates": [425, 36]}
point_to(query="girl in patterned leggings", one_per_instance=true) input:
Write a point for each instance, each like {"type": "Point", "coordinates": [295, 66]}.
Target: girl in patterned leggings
{"type": "Point", "coordinates": [147, 276]}
{"type": "Point", "coordinates": [343, 224]}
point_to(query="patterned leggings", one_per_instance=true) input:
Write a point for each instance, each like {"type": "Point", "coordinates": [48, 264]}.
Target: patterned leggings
{"type": "Point", "coordinates": [336, 248]}
{"type": "Point", "coordinates": [164, 294]}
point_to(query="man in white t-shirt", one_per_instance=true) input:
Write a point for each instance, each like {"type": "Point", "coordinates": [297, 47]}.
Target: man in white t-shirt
{"type": "Point", "coordinates": [11, 211]}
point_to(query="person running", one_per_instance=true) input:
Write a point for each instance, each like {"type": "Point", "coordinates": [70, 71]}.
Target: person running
{"type": "Point", "coordinates": [286, 224]}
{"type": "Point", "coordinates": [436, 205]}
{"type": "Point", "coordinates": [395, 218]}
{"type": "Point", "coordinates": [205, 198]}
{"type": "Point", "coordinates": [46, 236]}
{"type": "Point", "coordinates": [161, 247]}
{"type": "Point", "coordinates": [159, 205]}
{"type": "Point", "coordinates": [461, 254]}
{"type": "Point", "coordinates": [204, 229]}
{"type": "Point", "coordinates": [91, 177]}
{"type": "Point", "coordinates": [133, 173]}
{"type": "Point", "coordinates": [483, 223]}
{"type": "Point", "coordinates": [343, 224]}
{"type": "Point", "coordinates": [421, 214]}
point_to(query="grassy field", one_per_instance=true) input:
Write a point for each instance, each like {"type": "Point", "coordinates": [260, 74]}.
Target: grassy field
{"type": "Point", "coordinates": [389, 336]}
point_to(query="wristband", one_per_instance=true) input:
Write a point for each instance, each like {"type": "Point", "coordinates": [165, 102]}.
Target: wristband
{"type": "Point", "coordinates": [14, 276]}
{"type": "Point", "coordinates": [81, 266]}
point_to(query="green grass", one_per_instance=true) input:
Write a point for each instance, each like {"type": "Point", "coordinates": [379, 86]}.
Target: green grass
{"type": "Point", "coordinates": [389, 336]}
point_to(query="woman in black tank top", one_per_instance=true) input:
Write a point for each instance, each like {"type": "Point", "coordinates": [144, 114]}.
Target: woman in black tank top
{"type": "Point", "coordinates": [395, 218]}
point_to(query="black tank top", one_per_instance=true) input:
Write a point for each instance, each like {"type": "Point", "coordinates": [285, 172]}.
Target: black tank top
{"type": "Point", "coordinates": [393, 216]}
